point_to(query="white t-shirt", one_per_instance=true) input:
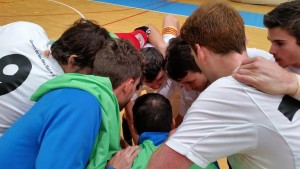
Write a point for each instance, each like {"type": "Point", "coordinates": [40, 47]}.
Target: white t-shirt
{"type": "Point", "coordinates": [294, 69]}
{"type": "Point", "coordinates": [23, 68]}
{"type": "Point", "coordinates": [253, 52]}
{"type": "Point", "coordinates": [235, 120]}
{"type": "Point", "coordinates": [179, 98]}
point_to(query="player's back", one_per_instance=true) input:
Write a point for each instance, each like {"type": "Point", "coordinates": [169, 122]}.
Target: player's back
{"type": "Point", "coordinates": [254, 129]}
{"type": "Point", "coordinates": [275, 120]}
{"type": "Point", "coordinates": [23, 68]}
{"type": "Point", "coordinates": [278, 130]}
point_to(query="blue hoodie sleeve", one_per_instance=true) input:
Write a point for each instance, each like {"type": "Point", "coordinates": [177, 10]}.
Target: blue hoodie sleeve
{"type": "Point", "coordinates": [70, 131]}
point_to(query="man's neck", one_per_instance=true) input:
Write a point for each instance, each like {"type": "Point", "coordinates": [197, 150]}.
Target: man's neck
{"type": "Point", "coordinates": [228, 63]}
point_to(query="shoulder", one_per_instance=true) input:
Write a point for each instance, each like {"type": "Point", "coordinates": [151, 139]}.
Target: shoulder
{"type": "Point", "coordinates": [21, 27]}
{"type": "Point", "coordinates": [224, 85]}
{"type": "Point", "coordinates": [228, 89]}
{"type": "Point", "coordinates": [225, 93]}
{"type": "Point", "coordinates": [73, 98]}
{"type": "Point", "coordinates": [226, 96]}
{"type": "Point", "coordinates": [253, 52]}
{"type": "Point", "coordinates": [72, 104]}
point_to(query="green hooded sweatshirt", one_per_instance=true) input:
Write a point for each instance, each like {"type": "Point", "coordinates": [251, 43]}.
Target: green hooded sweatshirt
{"type": "Point", "coordinates": [108, 138]}
{"type": "Point", "coordinates": [147, 149]}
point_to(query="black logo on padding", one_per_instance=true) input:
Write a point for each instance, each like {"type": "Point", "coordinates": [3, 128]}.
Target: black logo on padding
{"type": "Point", "coordinates": [289, 106]}
{"type": "Point", "coordinates": [9, 83]}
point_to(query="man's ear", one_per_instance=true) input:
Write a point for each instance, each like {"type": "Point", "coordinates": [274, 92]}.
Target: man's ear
{"type": "Point", "coordinates": [71, 67]}
{"type": "Point", "coordinates": [200, 53]}
{"type": "Point", "coordinates": [128, 85]}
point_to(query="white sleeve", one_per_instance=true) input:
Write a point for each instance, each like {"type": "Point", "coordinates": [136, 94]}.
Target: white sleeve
{"type": "Point", "coordinates": [211, 146]}
{"type": "Point", "coordinates": [148, 45]}
{"type": "Point", "coordinates": [135, 96]}
{"type": "Point", "coordinates": [167, 89]}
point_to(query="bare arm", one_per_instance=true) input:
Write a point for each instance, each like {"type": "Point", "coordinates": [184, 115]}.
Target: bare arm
{"type": "Point", "coordinates": [178, 120]}
{"type": "Point", "coordinates": [268, 77]}
{"type": "Point", "coordinates": [129, 117]}
{"type": "Point", "coordinates": [165, 157]}
{"type": "Point", "coordinates": [155, 38]}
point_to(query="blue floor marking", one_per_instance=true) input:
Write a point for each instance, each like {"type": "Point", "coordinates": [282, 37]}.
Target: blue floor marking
{"type": "Point", "coordinates": [250, 18]}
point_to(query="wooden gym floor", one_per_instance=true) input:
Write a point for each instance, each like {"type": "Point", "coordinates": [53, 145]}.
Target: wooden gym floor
{"type": "Point", "coordinates": [55, 18]}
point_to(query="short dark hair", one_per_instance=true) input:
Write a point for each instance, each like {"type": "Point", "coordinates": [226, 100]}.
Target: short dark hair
{"type": "Point", "coordinates": [118, 60]}
{"type": "Point", "coordinates": [287, 16]}
{"type": "Point", "coordinates": [179, 59]}
{"type": "Point", "coordinates": [152, 112]}
{"type": "Point", "coordinates": [84, 38]}
{"type": "Point", "coordinates": [154, 63]}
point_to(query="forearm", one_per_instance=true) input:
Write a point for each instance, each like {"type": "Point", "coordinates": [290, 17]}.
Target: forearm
{"type": "Point", "coordinates": [134, 135]}
{"type": "Point", "coordinates": [165, 157]}
{"type": "Point", "coordinates": [155, 38]}
{"type": "Point", "coordinates": [129, 117]}
{"type": "Point", "coordinates": [296, 87]}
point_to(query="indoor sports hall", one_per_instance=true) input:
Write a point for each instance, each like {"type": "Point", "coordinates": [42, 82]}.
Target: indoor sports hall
{"type": "Point", "coordinates": [126, 15]}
